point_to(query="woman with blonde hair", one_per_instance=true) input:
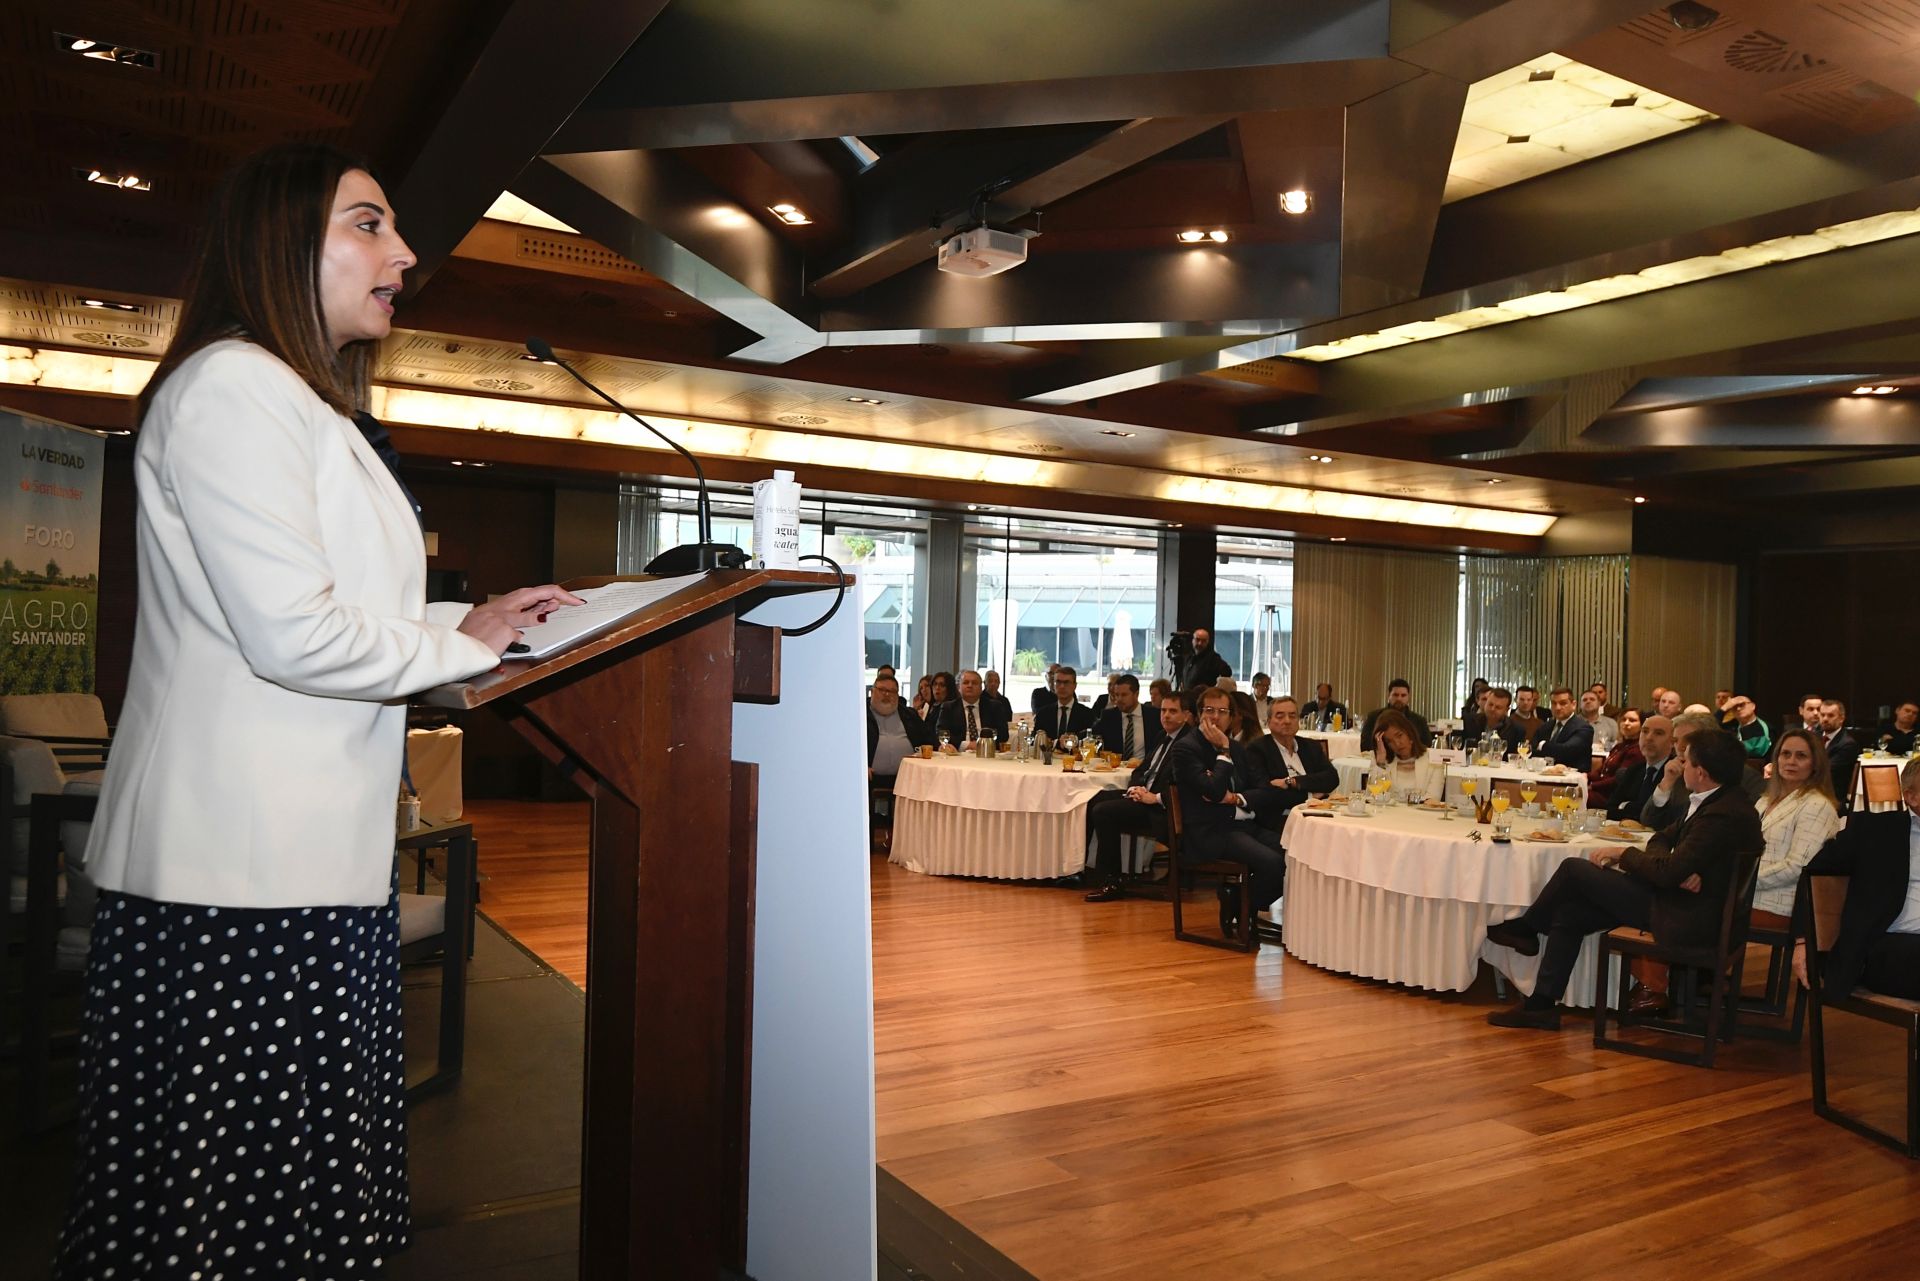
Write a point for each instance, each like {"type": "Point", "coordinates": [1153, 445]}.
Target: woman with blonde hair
{"type": "Point", "coordinates": [1798, 815]}
{"type": "Point", "coordinates": [1401, 754]}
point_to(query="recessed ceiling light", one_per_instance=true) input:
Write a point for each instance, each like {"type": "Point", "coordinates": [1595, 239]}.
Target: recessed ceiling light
{"type": "Point", "coordinates": [1296, 202]}
{"type": "Point", "coordinates": [108, 178]}
{"type": "Point", "coordinates": [1319, 458]}
{"type": "Point", "coordinates": [103, 50]}
{"type": "Point", "coordinates": [106, 304]}
{"type": "Point", "coordinates": [1338, 538]}
{"type": "Point", "coordinates": [1639, 498]}
{"type": "Point", "coordinates": [527, 355]}
{"type": "Point", "coordinates": [1217, 236]}
{"type": "Point", "coordinates": [461, 462]}
{"type": "Point", "coordinates": [1191, 236]}
{"type": "Point", "coordinates": [1495, 480]}
{"type": "Point", "coordinates": [790, 214]}
{"type": "Point", "coordinates": [978, 507]}
{"type": "Point", "coordinates": [1874, 391]}
{"type": "Point", "coordinates": [1115, 431]}
{"type": "Point", "coordinates": [864, 400]}
{"type": "Point", "coordinates": [1195, 236]}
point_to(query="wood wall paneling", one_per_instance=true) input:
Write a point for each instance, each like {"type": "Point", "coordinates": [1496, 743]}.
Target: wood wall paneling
{"type": "Point", "coordinates": [1680, 626]}
{"type": "Point", "coordinates": [1835, 623]}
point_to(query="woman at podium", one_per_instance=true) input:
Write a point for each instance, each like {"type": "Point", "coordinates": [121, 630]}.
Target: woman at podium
{"type": "Point", "coordinates": [241, 1070]}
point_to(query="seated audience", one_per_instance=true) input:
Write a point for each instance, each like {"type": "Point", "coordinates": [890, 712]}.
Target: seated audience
{"type": "Point", "coordinates": [1402, 756]}
{"type": "Point", "coordinates": [1399, 699]}
{"type": "Point", "coordinates": [1567, 738]}
{"type": "Point", "coordinates": [1220, 793]}
{"type": "Point", "coordinates": [1295, 768]}
{"type": "Point", "coordinates": [1747, 726]}
{"type": "Point", "coordinates": [1898, 735]}
{"type": "Point", "coordinates": [923, 704]}
{"type": "Point", "coordinates": [1721, 699]}
{"type": "Point", "coordinates": [1261, 684]}
{"type": "Point", "coordinates": [1607, 706]}
{"type": "Point", "coordinates": [1798, 816]}
{"type": "Point", "coordinates": [1624, 755]}
{"type": "Point", "coordinates": [885, 669]}
{"type": "Point", "coordinates": [1668, 802]}
{"type": "Point", "coordinates": [893, 734]}
{"type": "Point", "coordinates": [1140, 810]}
{"type": "Point", "coordinates": [1126, 727]}
{"type": "Point", "coordinates": [1606, 730]}
{"type": "Point", "coordinates": [1320, 712]}
{"type": "Point", "coordinates": [1637, 782]}
{"type": "Point", "coordinates": [1668, 704]}
{"type": "Point", "coordinates": [1159, 689]}
{"type": "Point", "coordinates": [1842, 748]}
{"type": "Point", "coordinates": [1806, 714]}
{"type": "Point", "coordinates": [1499, 720]}
{"type": "Point", "coordinates": [970, 715]}
{"type": "Point", "coordinates": [1044, 694]}
{"type": "Point", "coordinates": [1653, 704]}
{"type": "Point", "coordinates": [1247, 729]}
{"type": "Point", "coordinates": [1062, 714]}
{"type": "Point", "coordinates": [1480, 686]}
{"type": "Point", "coordinates": [1878, 946]}
{"type": "Point", "coordinates": [997, 699]}
{"type": "Point", "coordinates": [1526, 710]}
{"type": "Point", "coordinates": [1675, 888]}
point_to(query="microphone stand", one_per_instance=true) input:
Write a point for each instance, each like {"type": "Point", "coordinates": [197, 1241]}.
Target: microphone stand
{"type": "Point", "coordinates": [688, 558]}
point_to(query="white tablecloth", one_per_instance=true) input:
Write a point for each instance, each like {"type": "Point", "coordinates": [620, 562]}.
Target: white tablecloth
{"type": "Point", "coordinates": [433, 763]}
{"type": "Point", "coordinates": [1344, 743]}
{"type": "Point", "coordinates": [963, 816]}
{"type": "Point", "coordinates": [1406, 897]}
{"type": "Point", "coordinates": [1353, 772]}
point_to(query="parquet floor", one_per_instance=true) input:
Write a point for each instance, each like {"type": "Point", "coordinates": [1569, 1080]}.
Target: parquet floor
{"type": "Point", "coordinates": [1099, 1101]}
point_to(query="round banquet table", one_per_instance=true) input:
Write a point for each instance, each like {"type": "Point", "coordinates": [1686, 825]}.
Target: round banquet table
{"type": "Point", "coordinates": [1007, 819]}
{"type": "Point", "coordinates": [1406, 897]}
{"type": "Point", "coordinates": [1339, 743]}
{"type": "Point", "coordinates": [1353, 771]}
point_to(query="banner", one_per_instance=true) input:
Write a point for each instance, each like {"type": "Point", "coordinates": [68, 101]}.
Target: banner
{"type": "Point", "coordinates": [50, 540]}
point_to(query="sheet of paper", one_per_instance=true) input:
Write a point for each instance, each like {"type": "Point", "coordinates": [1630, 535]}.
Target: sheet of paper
{"type": "Point", "coordinates": [606, 608]}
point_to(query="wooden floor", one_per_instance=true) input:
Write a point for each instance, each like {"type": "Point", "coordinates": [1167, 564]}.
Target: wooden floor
{"type": "Point", "coordinates": [1098, 1101]}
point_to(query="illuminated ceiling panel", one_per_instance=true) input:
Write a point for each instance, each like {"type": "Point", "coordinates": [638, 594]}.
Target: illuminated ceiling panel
{"type": "Point", "coordinates": [1550, 113]}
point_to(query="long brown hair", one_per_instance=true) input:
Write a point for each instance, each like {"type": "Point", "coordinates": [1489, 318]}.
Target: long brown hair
{"type": "Point", "coordinates": [256, 272]}
{"type": "Point", "coordinates": [1394, 718]}
{"type": "Point", "coordinates": [1821, 780]}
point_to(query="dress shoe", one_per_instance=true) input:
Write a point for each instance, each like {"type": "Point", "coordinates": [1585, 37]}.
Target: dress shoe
{"type": "Point", "coordinates": [1516, 936]}
{"type": "Point", "coordinates": [1229, 913]}
{"type": "Point", "coordinates": [1105, 894]}
{"type": "Point", "coordinates": [1521, 1016]}
{"type": "Point", "coordinates": [1646, 1003]}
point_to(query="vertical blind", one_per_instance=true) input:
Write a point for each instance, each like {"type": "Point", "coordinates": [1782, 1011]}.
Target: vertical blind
{"type": "Point", "coordinates": [1680, 632]}
{"type": "Point", "coordinates": [1362, 616]}
{"type": "Point", "coordinates": [1544, 621]}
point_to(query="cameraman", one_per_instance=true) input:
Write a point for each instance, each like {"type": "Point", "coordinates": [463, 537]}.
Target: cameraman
{"type": "Point", "coordinates": [1204, 666]}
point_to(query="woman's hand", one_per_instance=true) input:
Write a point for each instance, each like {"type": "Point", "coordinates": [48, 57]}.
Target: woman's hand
{"type": "Point", "coordinates": [497, 623]}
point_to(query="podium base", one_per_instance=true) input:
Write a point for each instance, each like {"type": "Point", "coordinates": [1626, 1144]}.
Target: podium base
{"type": "Point", "coordinates": [696, 558]}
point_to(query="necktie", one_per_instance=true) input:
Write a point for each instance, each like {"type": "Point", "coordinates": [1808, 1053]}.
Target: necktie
{"type": "Point", "coordinates": [1126, 735]}
{"type": "Point", "coordinates": [973, 723]}
{"type": "Point", "coordinates": [1153, 767]}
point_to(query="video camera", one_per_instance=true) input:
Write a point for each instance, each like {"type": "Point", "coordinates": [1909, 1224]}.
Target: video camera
{"type": "Point", "coordinates": [1179, 649]}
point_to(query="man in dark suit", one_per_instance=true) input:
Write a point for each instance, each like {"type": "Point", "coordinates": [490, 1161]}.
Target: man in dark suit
{"type": "Point", "coordinates": [993, 695]}
{"type": "Point", "coordinates": [1879, 943]}
{"type": "Point", "coordinates": [1675, 887]}
{"type": "Point", "coordinates": [1044, 693]}
{"type": "Point", "coordinates": [971, 715]}
{"type": "Point", "coordinates": [1204, 666]}
{"type": "Point", "coordinates": [1061, 714]}
{"type": "Point", "coordinates": [1295, 768]}
{"type": "Point", "coordinates": [1220, 793]}
{"type": "Point", "coordinates": [1638, 781]}
{"type": "Point", "coordinates": [1126, 727]}
{"type": "Point", "coordinates": [1399, 699]}
{"type": "Point", "coordinates": [1140, 810]}
{"type": "Point", "coordinates": [1668, 800]}
{"type": "Point", "coordinates": [1843, 750]}
{"type": "Point", "coordinates": [1498, 719]}
{"type": "Point", "coordinates": [1320, 712]}
{"type": "Point", "coordinates": [1568, 737]}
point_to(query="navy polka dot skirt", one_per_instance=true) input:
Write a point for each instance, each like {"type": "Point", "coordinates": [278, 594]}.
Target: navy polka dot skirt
{"type": "Point", "coordinates": [242, 1095]}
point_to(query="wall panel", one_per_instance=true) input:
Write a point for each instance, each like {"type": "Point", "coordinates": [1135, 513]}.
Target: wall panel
{"type": "Point", "coordinates": [1362, 616]}
{"type": "Point", "coordinates": [1680, 626]}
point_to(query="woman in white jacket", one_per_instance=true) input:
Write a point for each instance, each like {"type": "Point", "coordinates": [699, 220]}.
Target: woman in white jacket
{"type": "Point", "coordinates": [241, 1075]}
{"type": "Point", "coordinates": [1798, 814]}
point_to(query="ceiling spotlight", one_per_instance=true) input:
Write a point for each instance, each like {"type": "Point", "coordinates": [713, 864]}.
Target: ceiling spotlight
{"type": "Point", "coordinates": [1338, 538]}
{"type": "Point", "coordinates": [1191, 237]}
{"type": "Point", "coordinates": [864, 400]}
{"type": "Point", "coordinates": [103, 51]}
{"type": "Point", "coordinates": [458, 462]}
{"type": "Point", "coordinates": [104, 304]}
{"type": "Point", "coordinates": [127, 182]}
{"type": "Point", "coordinates": [1296, 202]}
{"type": "Point", "coordinates": [978, 507]}
{"type": "Point", "coordinates": [789, 214]}
{"type": "Point", "coordinates": [1495, 480]}
{"type": "Point", "coordinates": [1217, 236]}
{"type": "Point", "coordinates": [1639, 498]}
{"type": "Point", "coordinates": [1690, 16]}
{"type": "Point", "coordinates": [1319, 458]}
{"type": "Point", "coordinates": [1115, 431]}
{"type": "Point", "coordinates": [1874, 391]}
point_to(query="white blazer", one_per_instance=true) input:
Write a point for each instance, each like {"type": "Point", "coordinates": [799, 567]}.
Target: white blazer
{"type": "Point", "coordinates": [281, 625]}
{"type": "Point", "coordinates": [1795, 830]}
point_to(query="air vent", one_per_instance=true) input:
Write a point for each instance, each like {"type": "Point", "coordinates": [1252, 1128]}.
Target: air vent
{"type": "Point", "coordinates": [532, 246]}
{"type": "Point", "coordinates": [801, 420]}
{"type": "Point", "coordinates": [94, 338]}
{"type": "Point", "coordinates": [1239, 471]}
{"type": "Point", "coordinates": [1764, 53]}
{"type": "Point", "coordinates": [1043, 449]}
{"type": "Point", "coordinates": [1406, 489]}
{"type": "Point", "coordinates": [502, 384]}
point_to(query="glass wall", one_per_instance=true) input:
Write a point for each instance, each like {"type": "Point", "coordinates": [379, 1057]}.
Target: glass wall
{"type": "Point", "coordinates": [1049, 593]}
{"type": "Point", "coordinates": [1253, 609]}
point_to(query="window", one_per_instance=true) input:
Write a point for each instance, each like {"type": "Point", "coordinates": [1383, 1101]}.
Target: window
{"type": "Point", "coordinates": [1253, 609]}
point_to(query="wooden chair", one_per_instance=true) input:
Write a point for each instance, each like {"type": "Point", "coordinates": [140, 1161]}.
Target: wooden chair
{"type": "Point", "coordinates": [432, 925]}
{"type": "Point", "coordinates": [1783, 998]}
{"type": "Point", "coordinates": [1179, 872]}
{"type": "Point", "coordinates": [1876, 786]}
{"type": "Point", "coordinates": [1825, 895]}
{"type": "Point", "coordinates": [1724, 962]}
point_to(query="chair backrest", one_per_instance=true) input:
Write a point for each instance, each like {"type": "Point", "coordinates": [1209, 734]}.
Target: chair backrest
{"type": "Point", "coordinates": [1171, 798]}
{"type": "Point", "coordinates": [1878, 785]}
{"type": "Point", "coordinates": [52, 716]}
{"type": "Point", "coordinates": [1736, 912]}
{"type": "Point", "coordinates": [1829, 899]}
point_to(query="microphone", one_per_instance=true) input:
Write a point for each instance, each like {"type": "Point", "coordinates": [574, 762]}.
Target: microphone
{"type": "Point", "coordinates": [688, 558]}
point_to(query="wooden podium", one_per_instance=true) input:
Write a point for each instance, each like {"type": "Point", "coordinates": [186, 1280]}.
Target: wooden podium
{"type": "Point", "coordinates": [641, 718]}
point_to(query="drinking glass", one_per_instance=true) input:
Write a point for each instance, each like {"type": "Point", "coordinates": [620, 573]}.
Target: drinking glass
{"type": "Point", "coordinates": [1527, 792]}
{"type": "Point", "coordinates": [1500, 802]}
{"type": "Point", "coordinates": [945, 739]}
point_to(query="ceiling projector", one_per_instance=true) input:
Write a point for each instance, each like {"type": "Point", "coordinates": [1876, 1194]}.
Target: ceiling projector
{"type": "Point", "coordinates": [982, 251]}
